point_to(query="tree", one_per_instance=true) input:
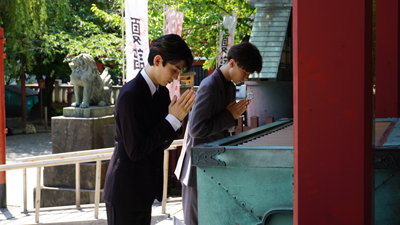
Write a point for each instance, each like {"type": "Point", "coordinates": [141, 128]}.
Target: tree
{"type": "Point", "coordinates": [202, 23]}
{"type": "Point", "coordinates": [41, 36]}
{"type": "Point", "coordinates": [23, 22]}
{"type": "Point", "coordinates": [94, 27]}
{"type": "Point", "coordinates": [89, 30]}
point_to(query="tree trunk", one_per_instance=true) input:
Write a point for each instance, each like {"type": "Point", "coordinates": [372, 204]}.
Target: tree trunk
{"type": "Point", "coordinates": [47, 94]}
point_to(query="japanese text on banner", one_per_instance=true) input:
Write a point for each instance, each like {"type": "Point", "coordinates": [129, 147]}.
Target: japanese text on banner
{"type": "Point", "coordinates": [137, 43]}
{"type": "Point", "coordinates": [226, 40]}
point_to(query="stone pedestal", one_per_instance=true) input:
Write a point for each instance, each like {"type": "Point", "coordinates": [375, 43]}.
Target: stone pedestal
{"type": "Point", "coordinates": [91, 112]}
{"type": "Point", "coordinates": [74, 134]}
{"type": "Point", "coordinates": [80, 129]}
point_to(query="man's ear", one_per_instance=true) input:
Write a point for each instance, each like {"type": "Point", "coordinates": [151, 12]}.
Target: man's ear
{"type": "Point", "coordinates": [157, 60]}
{"type": "Point", "coordinates": [232, 63]}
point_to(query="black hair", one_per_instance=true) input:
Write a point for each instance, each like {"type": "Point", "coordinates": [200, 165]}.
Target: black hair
{"type": "Point", "coordinates": [173, 49]}
{"type": "Point", "coordinates": [246, 56]}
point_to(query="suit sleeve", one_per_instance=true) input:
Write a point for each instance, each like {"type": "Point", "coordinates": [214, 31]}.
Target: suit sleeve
{"type": "Point", "coordinates": [202, 121]}
{"type": "Point", "coordinates": [138, 139]}
{"type": "Point", "coordinates": [233, 98]}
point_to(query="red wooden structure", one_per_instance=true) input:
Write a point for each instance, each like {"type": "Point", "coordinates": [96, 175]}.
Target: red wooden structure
{"type": "Point", "coordinates": [387, 59]}
{"type": "Point", "coordinates": [3, 130]}
{"type": "Point", "coordinates": [333, 112]}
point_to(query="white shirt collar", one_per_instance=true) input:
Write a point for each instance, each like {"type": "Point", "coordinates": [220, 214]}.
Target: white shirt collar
{"type": "Point", "coordinates": [150, 83]}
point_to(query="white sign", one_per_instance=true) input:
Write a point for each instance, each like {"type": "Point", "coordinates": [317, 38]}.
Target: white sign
{"type": "Point", "coordinates": [226, 40]}
{"type": "Point", "coordinates": [137, 40]}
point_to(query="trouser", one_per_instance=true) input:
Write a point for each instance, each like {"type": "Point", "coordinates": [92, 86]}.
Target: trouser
{"type": "Point", "coordinates": [118, 216]}
{"type": "Point", "coordinates": [189, 204]}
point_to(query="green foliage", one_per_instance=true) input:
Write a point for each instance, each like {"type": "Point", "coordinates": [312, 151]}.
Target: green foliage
{"type": "Point", "coordinates": [111, 22]}
{"type": "Point", "coordinates": [24, 22]}
{"type": "Point", "coordinates": [45, 34]}
{"type": "Point", "coordinates": [57, 112]}
{"type": "Point", "coordinates": [202, 22]}
{"type": "Point", "coordinates": [95, 29]}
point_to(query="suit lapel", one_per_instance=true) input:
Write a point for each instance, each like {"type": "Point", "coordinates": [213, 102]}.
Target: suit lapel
{"type": "Point", "coordinates": [147, 97]}
{"type": "Point", "coordinates": [220, 84]}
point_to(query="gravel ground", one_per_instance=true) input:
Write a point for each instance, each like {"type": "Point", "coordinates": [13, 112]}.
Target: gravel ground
{"type": "Point", "coordinates": [19, 144]}
{"type": "Point", "coordinates": [26, 145]}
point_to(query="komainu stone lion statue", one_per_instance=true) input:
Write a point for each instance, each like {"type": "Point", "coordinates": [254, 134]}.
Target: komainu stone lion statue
{"type": "Point", "coordinates": [90, 87]}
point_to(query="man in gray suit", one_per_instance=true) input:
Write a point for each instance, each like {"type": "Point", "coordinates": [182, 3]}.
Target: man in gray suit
{"type": "Point", "coordinates": [214, 115]}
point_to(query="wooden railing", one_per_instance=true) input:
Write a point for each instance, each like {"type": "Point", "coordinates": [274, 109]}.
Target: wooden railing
{"type": "Point", "coordinates": [63, 93]}
{"type": "Point", "coordinates": [76, 158]}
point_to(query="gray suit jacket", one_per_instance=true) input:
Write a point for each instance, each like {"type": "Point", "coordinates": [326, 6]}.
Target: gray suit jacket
{"type": "Point", "coordinates": [209, 120]}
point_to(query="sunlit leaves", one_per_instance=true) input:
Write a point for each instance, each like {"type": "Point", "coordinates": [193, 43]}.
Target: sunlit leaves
{"type": "Point", "coordinates": [202, 22]}
{"type": "Point", "coordinates": [24, 21]}
{"type": "Point", "coordinates": [39, 31]}
{"type": "Point", "coordinates": [43, 32]}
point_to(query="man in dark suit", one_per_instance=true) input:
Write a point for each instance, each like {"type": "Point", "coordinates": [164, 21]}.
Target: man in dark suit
{"type": "Point", "coordinates": [146, 123]}
{"type": "Point", "coordinates": [214, 115]}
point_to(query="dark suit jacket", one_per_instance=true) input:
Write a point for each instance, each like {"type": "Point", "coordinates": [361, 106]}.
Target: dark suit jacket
{"type": "Point", "coordinates": [209, 120]}
{"type": "Point", "coordinates": [134, 176]}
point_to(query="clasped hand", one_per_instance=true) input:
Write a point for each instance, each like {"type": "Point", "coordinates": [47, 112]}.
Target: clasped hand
{"type": "Point", "coordinates": [238, 108]}
{"type": "Point", "coordinates": [181, 107]}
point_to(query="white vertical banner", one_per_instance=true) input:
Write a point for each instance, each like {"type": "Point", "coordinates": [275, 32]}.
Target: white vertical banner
{"type": "Point", "coordinates": [173, 22]}
{"type": "Point", "coordinates": [137, 40]}
{"type": "Point", "coordinates": [226, 40]}
{"type": "Point", "coordinates": [173, 25]}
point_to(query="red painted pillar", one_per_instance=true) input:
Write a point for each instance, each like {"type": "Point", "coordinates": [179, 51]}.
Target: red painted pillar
{"type": "Point", "coordinates": [333, 123]}
{"type": "Point", "coordinates": [23, 94]}
{"type": "Point", "coordinates": [387, 77]}
{"type": "Point", "coordinates": [3, 131]}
